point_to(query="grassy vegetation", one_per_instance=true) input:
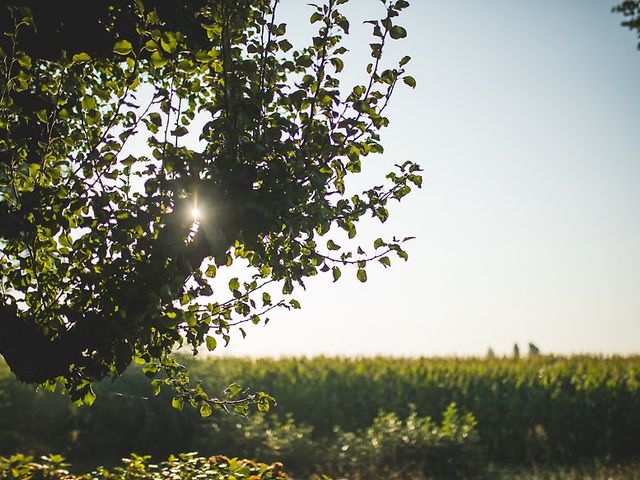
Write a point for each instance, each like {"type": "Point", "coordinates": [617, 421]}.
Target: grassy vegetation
{"type": "Point", "coordinates": [542, 417]}
{"type": "Point", "coordinates": [541, 409]}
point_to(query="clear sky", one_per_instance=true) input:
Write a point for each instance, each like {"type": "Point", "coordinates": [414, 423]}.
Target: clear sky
{"type": "Point", "coordinates": [526, 121]}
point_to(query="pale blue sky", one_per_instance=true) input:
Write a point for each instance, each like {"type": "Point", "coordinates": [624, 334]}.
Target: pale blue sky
{"type": "Point", "coordinates": [526, 122]}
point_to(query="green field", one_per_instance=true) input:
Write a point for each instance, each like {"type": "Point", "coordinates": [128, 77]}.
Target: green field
{"type": "Point", "coordinates": [540, 417]}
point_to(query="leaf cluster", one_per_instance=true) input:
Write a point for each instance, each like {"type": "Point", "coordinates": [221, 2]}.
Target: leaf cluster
{"type": "Point", "coordinates": [630, 9]}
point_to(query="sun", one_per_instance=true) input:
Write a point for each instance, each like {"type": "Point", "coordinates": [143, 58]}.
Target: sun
{"type": "Point", "coordinates": [195, 213]}
{"type": "Point", "coordinates": [196, 216]}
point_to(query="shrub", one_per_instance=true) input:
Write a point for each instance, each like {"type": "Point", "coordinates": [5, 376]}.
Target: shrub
{"type": "Point", "coordinates": [391, 447]}
{"type": "Point", "coordinates": [416, 447]}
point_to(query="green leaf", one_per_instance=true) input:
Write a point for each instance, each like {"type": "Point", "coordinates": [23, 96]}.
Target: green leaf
{"type": "Point", "coordinates": [241, 410]}
{"type": "Point", "coordinates": [287, 288]}
{"type": "Point", "coordinates": [331, 245]}
{"type": "Point", "coordinates": [211, 271]}
{"type": "Point", "coordinates": [266, 298]}
{"type": "Point", "coordinates": [397, 32]}
{"type": "Point", "coordinates": [205, 410]}
{"type": "Point", "coordinates": [338, 64]}
{"type": "Point", "coordinates": [316, 17]}
{"type": "Point", "coordinates": [177, 403]}
{"type": "Point", "coordinates": [180, 131]}
{"type": "Point", "coordinates": [156, 385]}
{"type": "Point", "coordinates": [65, 240]}
{"type": "Point", "coordinates": [129, 161]}
{"type": "Point", "coordinates": [34, 169]}
{"type": "Point", "coordinates": [55, 458]}
{"type": "Point", "coordinates": [263, 406]}
{"type": "Point", "coordinates": [362, 275]}
{"type": "Point", "coordinates": [409, 81]}
{"type": "Point", "coordinates": [203, 57]}
{"type": "Point", "coordinates": [169, 42]}
{"type": "Point", "coordinates": [139, 6]}
{"type": "Point", "coordinates": [42, 115]}
{"type": "Point", "coordinates": [88, 103]}
{"type": "Point", "coordinates": [336, 273]}
{"type": "Point", "coordinates": [285, 45]}
{"type": "Point", "coordinates": [234, 284]}
{"type": "Point", "coordinates": [212, 343]}
{"type": "Point", "coordinates": [81, 57]}
{"type": "Point", "coordinates": [234, 389]}
{"type": "Point", "coordinates": [305, 61]}
{"type": "Point", "coordinates": [23, 60]}
{"type": "Point", "coordinates": [123, 47]}
{"type": "Point", "coordinates": [155, 118]}
{"type": "Point", "coordinates": [416, 180]}
{"type": "Point", "coordinates": [405, 60]}
{"type": "Point", "coordinates": [158, 60]}
{"type": "Point", "coordinates": [343, 23]}
{"type": "Point", "coordinates": [89, 397]}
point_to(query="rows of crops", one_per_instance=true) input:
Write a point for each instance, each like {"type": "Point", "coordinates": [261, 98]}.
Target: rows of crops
{"type": "Point", "coordinates": [540, 408]}
{"type": "Point", "coordinates": [529, 410]}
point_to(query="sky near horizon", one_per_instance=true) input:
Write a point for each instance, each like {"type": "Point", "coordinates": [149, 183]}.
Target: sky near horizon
{"type": "Point", "coordinates": [525, 121]}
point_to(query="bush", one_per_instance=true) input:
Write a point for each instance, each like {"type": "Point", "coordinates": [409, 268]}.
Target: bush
{"type": "Point", "coordinates": [266, 438]}
{"type": "Point", "coordinates": [391, 447]}
{"type": "Point", "coordinates": [416, 447]}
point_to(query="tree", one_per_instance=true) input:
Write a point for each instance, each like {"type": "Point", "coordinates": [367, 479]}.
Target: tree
{"type": "Point", "coordinates": [631, 11]}
{"type": "Point", "coordinates": [103, 258]}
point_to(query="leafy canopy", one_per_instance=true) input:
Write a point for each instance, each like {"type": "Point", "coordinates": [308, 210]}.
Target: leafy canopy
{"type": "Point", "coordinates": [109, 255]}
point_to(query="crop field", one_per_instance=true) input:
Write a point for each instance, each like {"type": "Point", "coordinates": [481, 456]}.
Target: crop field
{"type": "Point", "coordinates": [535, 417]}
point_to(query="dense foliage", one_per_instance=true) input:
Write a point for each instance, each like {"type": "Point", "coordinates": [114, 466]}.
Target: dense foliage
{"type": "Point", "coordinates": [171, 142]}
{"type": "Point", "coordinates": [52, 467]}
{"type": "Point", "coordinates": [391, 447]}
{"type": "Point", "coordinates": [529, 410]}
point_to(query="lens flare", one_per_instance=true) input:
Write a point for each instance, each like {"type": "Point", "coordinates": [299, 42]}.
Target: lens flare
{"type": "Point", "coordinates": [196, 216]}
{"type": "Point", "coordinates": [195, 213]}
